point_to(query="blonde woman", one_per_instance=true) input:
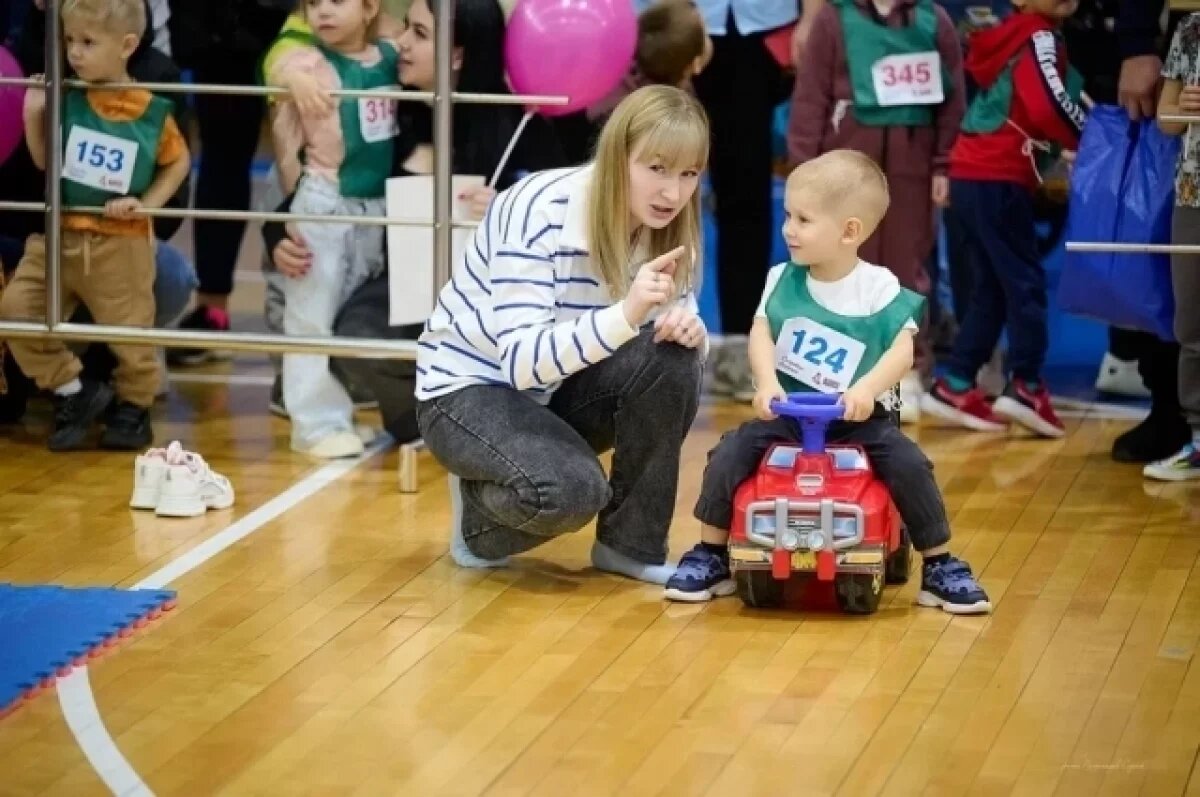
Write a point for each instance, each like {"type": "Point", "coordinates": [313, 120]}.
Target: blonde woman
{"type": "Point", "coordinates": [570, 328]}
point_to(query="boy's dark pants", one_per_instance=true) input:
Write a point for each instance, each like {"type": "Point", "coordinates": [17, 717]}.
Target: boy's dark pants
{"type": "Point", "coordinates": [896, 460]}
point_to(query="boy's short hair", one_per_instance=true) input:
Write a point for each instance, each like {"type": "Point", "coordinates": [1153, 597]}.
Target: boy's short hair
{"type": "Point", "coordinates": [671, 36]}
{"type": "Point", "coordinates": [115, 16]}
{"type": "Point", "coordinates": [846, 181]}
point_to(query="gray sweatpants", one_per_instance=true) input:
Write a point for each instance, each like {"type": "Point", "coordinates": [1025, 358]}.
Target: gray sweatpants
{"type": "Point", "coordinates": [1185, 279]}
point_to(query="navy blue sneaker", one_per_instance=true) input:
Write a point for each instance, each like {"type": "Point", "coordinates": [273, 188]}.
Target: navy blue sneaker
{"type": "Point", "coordinates": [701, 575]}
{"type": "Point", "coordinates": [951, 586]}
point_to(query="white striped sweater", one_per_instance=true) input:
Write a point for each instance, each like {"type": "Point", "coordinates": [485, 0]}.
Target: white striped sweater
{"type": "Point", "coordinates": [524, 307]}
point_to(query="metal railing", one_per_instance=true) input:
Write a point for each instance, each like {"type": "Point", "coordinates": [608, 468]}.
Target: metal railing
{"type": "Point", "coordinates": [442, 98]}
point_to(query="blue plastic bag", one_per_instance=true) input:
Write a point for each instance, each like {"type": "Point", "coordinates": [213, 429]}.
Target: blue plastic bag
{"type": "Point", "coordinates": [1123, 191]}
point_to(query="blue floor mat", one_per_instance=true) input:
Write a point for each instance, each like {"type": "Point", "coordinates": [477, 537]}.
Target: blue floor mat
{"type": "Point", "coordinates": [46, 630]}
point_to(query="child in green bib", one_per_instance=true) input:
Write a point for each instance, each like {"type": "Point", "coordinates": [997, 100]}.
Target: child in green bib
{"type": "Point", "coordinates": [347, 153]}
{"type": "Point", "coordinates": [884, 77]}
{"type": "Point", "coordinates": [832, 323]}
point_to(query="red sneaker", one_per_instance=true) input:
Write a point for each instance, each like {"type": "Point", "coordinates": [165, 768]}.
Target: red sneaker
{"type": "Point", "coordinates": [969, 408]}
{"type": "Point", "coordinates": [1030, 408]}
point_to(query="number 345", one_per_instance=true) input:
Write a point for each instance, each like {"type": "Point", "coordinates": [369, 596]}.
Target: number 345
{"type": "Point", "coordinates": [906, 74]}
{"type": "Point", "coordinates": [101, 157]}
{"type": "Point", "coordinates": [818, 352]}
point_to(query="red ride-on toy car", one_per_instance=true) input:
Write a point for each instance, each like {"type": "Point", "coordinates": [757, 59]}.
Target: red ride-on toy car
{"type": "Point", "coordinates": [816, 511]}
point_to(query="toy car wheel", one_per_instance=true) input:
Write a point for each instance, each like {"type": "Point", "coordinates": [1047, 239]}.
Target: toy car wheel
{"type": "Point", "coordinates": [900, 562]}
{"type": "Point", "coordinates": [759, 589]}
{"type": "Point", "coordinates": [858, 593]}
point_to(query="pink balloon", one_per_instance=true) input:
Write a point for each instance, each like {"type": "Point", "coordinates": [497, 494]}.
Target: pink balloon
{"type": "Point", "coordinates": [580, 49]}
{"type": "Point", "coordinates": [12, 100]}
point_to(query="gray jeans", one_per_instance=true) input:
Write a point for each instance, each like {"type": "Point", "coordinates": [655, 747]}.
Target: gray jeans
{"type": "Point", "coordinates": [529, 472]}
{"type": "Point", "coordinates": [1185, 279]}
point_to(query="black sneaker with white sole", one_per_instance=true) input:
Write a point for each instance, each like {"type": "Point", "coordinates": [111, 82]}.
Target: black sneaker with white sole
{"type": "Point", "coordinates": [74, 415]}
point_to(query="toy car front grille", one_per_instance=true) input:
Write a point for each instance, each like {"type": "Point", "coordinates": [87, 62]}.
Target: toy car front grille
{"type": "Point", "coordinates": [805, 525]}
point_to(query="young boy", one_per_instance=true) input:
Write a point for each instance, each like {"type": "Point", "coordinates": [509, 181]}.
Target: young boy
{"type": "Point", "coordinates": [833, 203]}
{"type": "Point", "coordinates": [121, 150]}
{"type": "Point", "coordinates": [884, 77]}
{"type": "Point", "coordinates": [1024, 110]}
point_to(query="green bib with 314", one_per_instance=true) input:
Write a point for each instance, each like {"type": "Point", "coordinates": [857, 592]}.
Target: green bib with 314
{"type": "Point", "coordinates": [104, 159]}
{"type": "Point", "coordinates": [818, 350]}
{"type": "Point", "coordinates": [368, 124]}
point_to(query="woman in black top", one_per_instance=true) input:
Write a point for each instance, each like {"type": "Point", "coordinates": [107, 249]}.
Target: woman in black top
{"type": "Point", "coordinates": [481, 134]}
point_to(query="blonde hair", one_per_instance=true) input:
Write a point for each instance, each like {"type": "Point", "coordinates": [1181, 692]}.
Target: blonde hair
{"type": "Point", "coordinates": [845, 181]}
{"type": "Point", "coordinates": [657, 123]}
{"type": "Point", "coordinates": [115, 16]}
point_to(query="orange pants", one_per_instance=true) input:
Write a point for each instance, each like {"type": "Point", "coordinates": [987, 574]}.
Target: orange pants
{"type": "Point", "coordinates": [111, 275]}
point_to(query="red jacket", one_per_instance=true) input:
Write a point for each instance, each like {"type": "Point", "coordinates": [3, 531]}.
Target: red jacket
{"type": "Point", "coordinates": [1040, 104]}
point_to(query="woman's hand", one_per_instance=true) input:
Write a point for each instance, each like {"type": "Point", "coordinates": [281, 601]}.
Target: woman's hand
{"type": "Point", "coordinates": [291, 256]}
{"type": "Point", "coordinates": [476, 200]}
{"type": "Point", "coordinates": [653, 285]}
{"type": "Point", "coordinates": [680, 325]}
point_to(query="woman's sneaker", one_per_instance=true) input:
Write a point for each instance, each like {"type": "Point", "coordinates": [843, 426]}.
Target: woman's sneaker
{"type": "Point", "coordinates": [1182, 466]}
{"type": "Point", "coordinates": [701, 575]}
{"type": "Point", "coordinates": [950, 585]}
{"type": "Point", "coordinates": [1029, 405]}
{"type": "Point", "coordinates": [969, 408]}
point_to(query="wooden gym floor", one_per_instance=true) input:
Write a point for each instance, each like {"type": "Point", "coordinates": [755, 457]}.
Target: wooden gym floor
{"type": "Point", "coordinates": [335, 649]}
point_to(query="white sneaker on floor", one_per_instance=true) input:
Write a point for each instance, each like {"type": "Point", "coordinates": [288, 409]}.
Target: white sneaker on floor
{"type": "Point", "coordinates": [190, 488]}
{"type": "Point", "coordinates": [178, 483]}
{"type": "Point", "coordinates": [339, 445]}
{"type": "Point", "coordinates": [911, 391]}
{"type": "Point", "coordinates": [1120, 378]}
{"type": "Point", "coordinates": [149, 470]}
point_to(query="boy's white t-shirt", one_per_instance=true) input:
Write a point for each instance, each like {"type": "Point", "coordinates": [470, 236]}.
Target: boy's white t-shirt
{"type": "Point", "coordinates": [864, 291]}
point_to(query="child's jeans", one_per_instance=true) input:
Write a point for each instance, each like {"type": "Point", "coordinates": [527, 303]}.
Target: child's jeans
{"type": "Point", "coordinates": [343, 257]}
{"type": "Point", "coordinates": [1008, 282]}
{"type": "Point", "coordinates": [1185, 278]}
{"type": "Point", "coordinates": [896, 460]}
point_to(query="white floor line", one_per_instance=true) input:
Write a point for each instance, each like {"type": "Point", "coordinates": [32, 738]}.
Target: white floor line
{"type": "Point", "coordinates": [75, 695]}
{"type": "Point", "coordinates": [223, 379]}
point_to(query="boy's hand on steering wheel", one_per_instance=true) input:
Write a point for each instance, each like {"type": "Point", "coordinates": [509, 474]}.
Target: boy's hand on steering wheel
{"type": "Point", "coordinates": [858, 404]}
{"type": "Point", "coordinates": [763, 396]}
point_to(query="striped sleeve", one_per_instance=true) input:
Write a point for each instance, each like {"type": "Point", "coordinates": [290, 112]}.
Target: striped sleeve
{"type": "Point", "coordinates": [536, 349]}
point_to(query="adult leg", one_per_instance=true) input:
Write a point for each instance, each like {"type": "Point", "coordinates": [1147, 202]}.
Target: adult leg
{"type": "Point", "coordinates": [1184, 463]}
{"type": "Point", "coordinates": [390, 382]}
{"type": "Point", "coordinates": [526, 475]}
{"type": "Point", "coordinates": [174, 283]}
{"type": "Point", "coordinates": [641, 403]}
{"type": "Point", "coordinates": [739, 89]}
{"type": "Point", "coordinates": [226, 152]}
{"type": "Point", "coordinates": [1164, 431]}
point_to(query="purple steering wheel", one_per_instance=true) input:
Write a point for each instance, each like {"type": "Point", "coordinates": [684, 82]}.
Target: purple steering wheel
{"type": "Point", "coordinates": [814, 412]}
